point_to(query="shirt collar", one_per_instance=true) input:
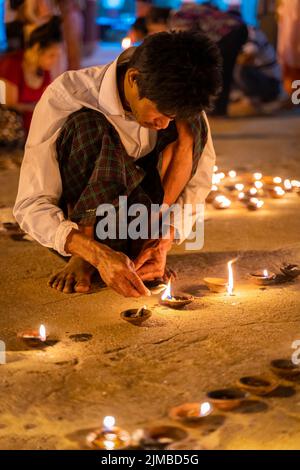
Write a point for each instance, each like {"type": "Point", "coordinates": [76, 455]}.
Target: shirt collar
{"type": "Point", "coordinates": [109, 98]}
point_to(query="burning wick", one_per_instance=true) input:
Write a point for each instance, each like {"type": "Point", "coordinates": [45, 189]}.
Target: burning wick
{"type": "Point", "coordinates": [205, 409]}
{"type": "Point", "coordinates": [257, 176]}
{"type": "Point", "coordinates": [266, 273]}
{"type": "Point", "coordinates": [230, 285]}
{"type": "Point", "coordinates": [109, 437]}
{"type": "Point", "coordinates": [34, 337]}
{"type": "Point", "coordinates": [239, 186]}
{"type": "Point", "coordinates": [277, 180]}
{"type": "Point", "coordinates": [232, 174]}
{"type": "Point", "coordinates": [109, 423]}
{"type": "Point", "coordinates": [167, 293]}
{"type": "Point", "coordinates": [42, 332]}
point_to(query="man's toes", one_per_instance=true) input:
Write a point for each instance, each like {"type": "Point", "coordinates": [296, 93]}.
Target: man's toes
{"type": "Point", "coordinates": [52, 279]}
{"type": "Point", "coordinates": [61, 284]}
{"type": "Point", "coordinates": [68, 289]}
{"type": "Point", "coordinates": [55, 283]}
{"type": "Point", "coordinates": [83, 285]}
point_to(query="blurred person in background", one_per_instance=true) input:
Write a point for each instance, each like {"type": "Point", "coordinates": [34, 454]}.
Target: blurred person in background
{"type": "Point", "coordinates": [27, 73]}
{"type": "Point", "coordinates": [73, 27]}
{"type": "Point", "coordinates": [289, 41]}
{"type": "Point", "coordinates": [258, 74]}
{"type": "Point", "coordinates": [138, 31]}
{"type": "Point", "coordinates": [14, 23]}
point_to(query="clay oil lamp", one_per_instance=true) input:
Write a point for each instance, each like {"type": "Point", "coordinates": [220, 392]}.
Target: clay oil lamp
{"type": "Point", "coordinates": [191, 412]}
{"type": "Point", "coordinates": [218, 284]}
{"type": "Point", "coordinates": [277, 192]}
{"type": "Point", "coordinates": [109, 437]}
{"type": "Point", "coordinates": [34, 338]}
{"type": "Point", "coordinates": [255, 204]}
{"type": "Point", "coordinates": [136, 316]}
{"type": "Point", "coordinates": [227, 399]}
{"type": "Point", "coordinates": [221, 202]}
{"type": "Point", "coordinates": [285, 368]}
{"type": "Point", "coordinates": [257, 385]}
{"type": "Point", "coordinates": [175, 301]}
{"type": "Point", "coordinates": [263, 278]}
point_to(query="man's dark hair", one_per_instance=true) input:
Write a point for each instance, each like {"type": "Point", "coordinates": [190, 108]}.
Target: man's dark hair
{"type": "Point", "coordinates": [179, 71]}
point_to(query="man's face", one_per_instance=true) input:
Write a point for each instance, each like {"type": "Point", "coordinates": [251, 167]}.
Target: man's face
{"type": "Point", "coordinates": [144, 111]}
{"type": "Point", "coordinates": [147, 115]}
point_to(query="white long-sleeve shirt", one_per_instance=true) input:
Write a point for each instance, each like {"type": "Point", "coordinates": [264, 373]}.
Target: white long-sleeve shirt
{"type": "Point", "coordinates": [40, 186]}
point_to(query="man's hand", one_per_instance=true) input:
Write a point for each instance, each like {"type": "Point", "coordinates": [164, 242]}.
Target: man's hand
{"type": "Point", "coordinates": [151, 262]}
{"type": "Point", "coordinates": [119, 272]}
{"type": "Point", "coordinates": [115, 268]}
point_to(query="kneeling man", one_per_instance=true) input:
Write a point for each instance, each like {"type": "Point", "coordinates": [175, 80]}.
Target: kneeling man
{"type": "Point", "coordinates": [134, 128]}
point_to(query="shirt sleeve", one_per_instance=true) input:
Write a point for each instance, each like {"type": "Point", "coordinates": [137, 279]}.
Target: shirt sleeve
{"type": "Point", "coordinates": [197, 189]}
{"type": "Point", "coordinates": [36, 208]}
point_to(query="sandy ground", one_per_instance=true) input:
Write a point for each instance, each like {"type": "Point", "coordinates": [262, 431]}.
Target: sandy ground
{"type": "Point", "coordinates": [50, 397]}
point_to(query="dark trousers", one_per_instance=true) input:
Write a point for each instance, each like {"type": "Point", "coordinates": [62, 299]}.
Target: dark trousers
{"type": "Point", "coordinates": [230, 47]}
{"type": "Point", "coordinates": [255, 84]}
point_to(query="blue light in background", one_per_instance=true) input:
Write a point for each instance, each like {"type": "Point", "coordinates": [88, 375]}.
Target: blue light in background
{"type": "Point", "coordinates": [248, 7]}
{"type": "Point", "coordinates": [2, 27]}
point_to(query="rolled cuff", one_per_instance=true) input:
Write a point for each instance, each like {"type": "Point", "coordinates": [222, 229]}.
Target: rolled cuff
{"type": "Point", "coordinates": [61, 235]}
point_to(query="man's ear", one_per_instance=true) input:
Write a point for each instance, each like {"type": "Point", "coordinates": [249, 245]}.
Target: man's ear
{"type": "Point", "coordinates": [132, 76]}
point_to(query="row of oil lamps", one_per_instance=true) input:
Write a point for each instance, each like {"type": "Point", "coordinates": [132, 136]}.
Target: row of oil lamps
{"type": "Point", "coordinates": [248, 188]}
{"type": "Point", "coordinates": [111, 437]}
{"type": "Point", "coordinates": [289, 272]}
{"type": "Point", "coordinates": [245, 393]}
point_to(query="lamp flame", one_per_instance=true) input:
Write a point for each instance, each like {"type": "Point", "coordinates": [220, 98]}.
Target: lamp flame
{"type": "Point", "coordinates": [42, 333]}
{"type": "Point", "coordinates": [266, 273]}
{"type": "Point", "coordinates": [109, 422]}
{"type": "Point", "coordinates": [167, 293]}
{"type": "Point", "coordinates": [230, 285]}
{"type": "Point", "coordinates": [205, 408]}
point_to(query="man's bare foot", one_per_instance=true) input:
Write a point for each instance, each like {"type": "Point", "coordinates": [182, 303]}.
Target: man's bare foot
{"type": "Point", "coordinates": [75, 277]}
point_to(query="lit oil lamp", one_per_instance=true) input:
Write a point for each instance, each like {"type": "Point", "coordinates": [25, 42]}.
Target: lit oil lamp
{"type": "Point", "coordinates": [221, 202]}
{"type": "Point", "coordinates": [277, 180]}
{"type": "Point", "coordinates": [254, 204]}
{"type": "Point", "coordinates": [34, 338]}
{"type": "Point", "coordinates": [263, 278]}
{"type": "Point", "coordinates": [136, 316]}
{"type": "Point", "coordinates": [232, 174]}
{"type": "Point", "coordinates": [296, 186]}
{"type": "Point", "coordinates": [252, 192]}
{"type": "Point", "coordinates": [175, 301]}
{"type": "Point", "coordinates": [257, 176]}
{"type": "Point", "coordinates": [287, 184]}
{"type": "Point", "coordinates": [110, 437]}
{"type": "Point", "coordinates": [239, 187]}
{"type": "Point", "coordinates": [277, 192]}
{"type": "Point", "coordinates": [191, 411]}
{"type": "Point", "coordinates": [220, 285]}
{"type": "Point", "coordinates": [258, 184]}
